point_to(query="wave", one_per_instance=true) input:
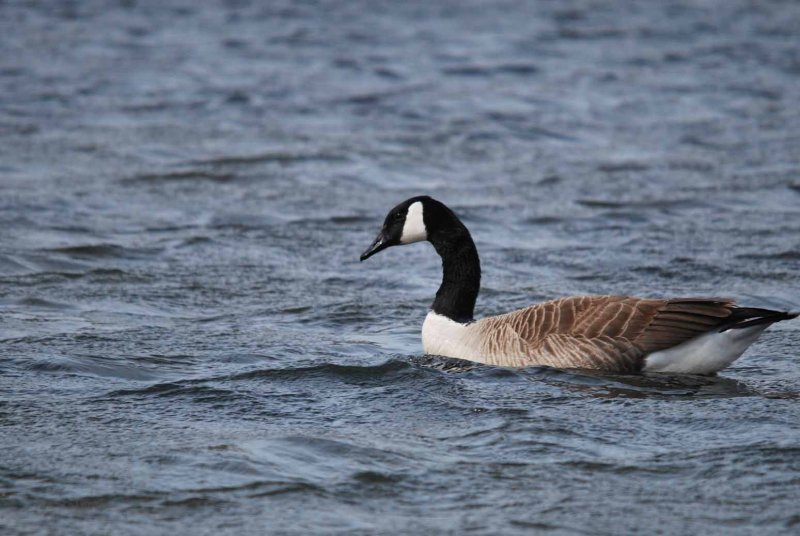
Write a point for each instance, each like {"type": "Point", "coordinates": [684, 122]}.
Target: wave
{"type": "Point", "coordinates": [90, 366]}
{"type": "Point", "coordinates": [280, 157]}
{"type": "Point", "coordinates": [103, 251]}
{"type": "Point", "coordinates": [788, 255]}
{"type": "Point", "coordinates": [177, 389]}
{"type": "Point", "coordinates": [189, 175]}
{"type": "Point", "coordinates": [355, 372]}
{"type": "Point", "coordinates": [644, 203]}
{"type": "Point", "coordinates": [487, 70]}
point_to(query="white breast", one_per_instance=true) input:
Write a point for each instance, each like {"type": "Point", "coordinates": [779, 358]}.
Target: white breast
{"type": "Point", "coordinates": [445, 337]}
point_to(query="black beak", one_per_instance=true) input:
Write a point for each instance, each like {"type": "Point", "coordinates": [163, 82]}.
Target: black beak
{"type": "Point", "coordinates": [380, 243]}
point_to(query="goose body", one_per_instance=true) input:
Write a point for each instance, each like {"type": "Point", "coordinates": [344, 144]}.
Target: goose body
{"type": "Point", "coordinates": [609, 333]}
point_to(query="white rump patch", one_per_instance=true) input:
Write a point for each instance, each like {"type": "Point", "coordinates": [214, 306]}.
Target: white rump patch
{"type": "Point", "coordinates": [704, 354]}
{"type": "Point", "coordinates": [414, 227]}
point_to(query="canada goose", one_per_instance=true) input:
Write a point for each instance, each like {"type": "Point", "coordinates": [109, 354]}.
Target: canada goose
{"type": "Point", "coordinates": [609, 333]}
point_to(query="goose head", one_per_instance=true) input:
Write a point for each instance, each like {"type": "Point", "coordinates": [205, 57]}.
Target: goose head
{"type": "Point", "coordinates": [418, 219]}
{"type": "Point", "coordinates": [404, 224]}
{"type": "Point", "coordinates": [425, 219]}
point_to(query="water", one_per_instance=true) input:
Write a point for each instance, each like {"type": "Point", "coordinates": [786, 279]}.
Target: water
{"type": "Point", "coordinates": [190, 345]}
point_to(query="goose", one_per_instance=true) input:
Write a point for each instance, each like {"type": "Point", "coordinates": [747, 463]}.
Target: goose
{"type": "Point", "coordinates": [615, 334]}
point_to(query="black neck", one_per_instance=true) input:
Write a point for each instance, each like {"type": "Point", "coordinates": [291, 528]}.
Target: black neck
{"type": "Point", "coordinates": [461, 279]}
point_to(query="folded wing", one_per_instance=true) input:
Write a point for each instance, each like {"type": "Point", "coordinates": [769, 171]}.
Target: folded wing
{"type": "Point", "coordinates": [602, 332]}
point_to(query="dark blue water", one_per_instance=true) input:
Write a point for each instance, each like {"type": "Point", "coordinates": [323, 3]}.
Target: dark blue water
{"type": "Point", "coordinates": [190, 345]}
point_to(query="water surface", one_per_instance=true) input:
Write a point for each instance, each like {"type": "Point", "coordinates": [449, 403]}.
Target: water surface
{"type": "Point", "coordinates": [190, 345]}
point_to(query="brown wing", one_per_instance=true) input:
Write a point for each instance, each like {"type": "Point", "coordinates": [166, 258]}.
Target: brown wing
{"type": "Point", "coordinates": [609, 332]}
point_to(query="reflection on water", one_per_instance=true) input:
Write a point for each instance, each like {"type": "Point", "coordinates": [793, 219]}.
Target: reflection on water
{"type": "Point", "coordinates": [602, 385]}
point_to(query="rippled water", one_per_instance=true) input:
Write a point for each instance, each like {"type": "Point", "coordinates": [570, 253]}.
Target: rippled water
{"type": "Point", "coordinates": [189, 343]}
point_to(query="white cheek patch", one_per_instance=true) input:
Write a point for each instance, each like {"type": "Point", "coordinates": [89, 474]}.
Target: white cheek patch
{"type": "Point", "coordinates": [414, 227]}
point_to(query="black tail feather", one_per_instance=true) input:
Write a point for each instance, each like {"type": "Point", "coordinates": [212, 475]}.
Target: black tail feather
{"type": "Point", "coordinates": [745, 317]}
